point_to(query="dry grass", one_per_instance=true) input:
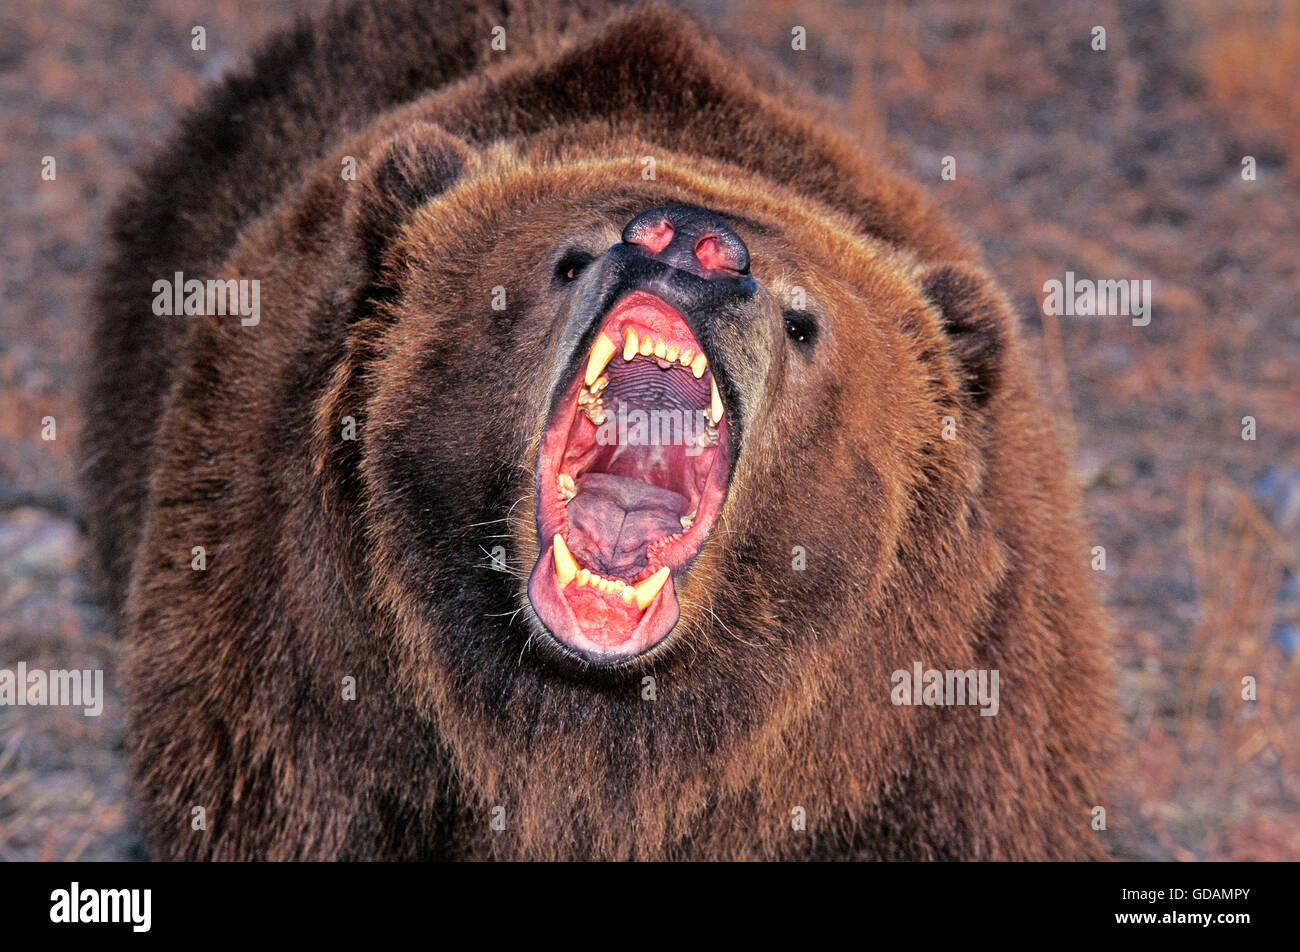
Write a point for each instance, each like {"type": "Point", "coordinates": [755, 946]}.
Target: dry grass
{"type": "Point", "coordinates": [1251, 58]}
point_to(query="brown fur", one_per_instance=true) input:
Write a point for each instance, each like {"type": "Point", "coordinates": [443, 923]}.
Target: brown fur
{"type": "Point", "coordinates": [330, 558]}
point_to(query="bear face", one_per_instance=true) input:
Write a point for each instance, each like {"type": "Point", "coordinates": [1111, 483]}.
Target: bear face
{"type": "Point", "coordinates": [569, 280]}
{"type": "Point", "coordinates": [859, 476]}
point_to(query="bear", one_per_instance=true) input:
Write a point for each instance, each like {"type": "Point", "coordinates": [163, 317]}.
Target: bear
{"type": "Point", "coordinates": [542, 435]}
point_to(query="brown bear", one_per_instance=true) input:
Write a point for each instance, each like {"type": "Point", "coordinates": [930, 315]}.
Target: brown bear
{"type": "Point", "coordinates": [544, 436]}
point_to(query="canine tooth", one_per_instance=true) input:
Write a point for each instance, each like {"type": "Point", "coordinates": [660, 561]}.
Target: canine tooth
{"type": "Point", "coordinates": [601, 352]}
{"type": "Point", "coordinates": [685, 358]}
{"type": "Point", "coordinates": [672, 354]}
{"type": "Point", "coordinates": [584, 576]}
{"type": "Point", "coordinates": [660, 349]}
{"type": "Point", "coordinates": [715, 408]}
{"type": "Point", "coordinates": [630, 343]}
{"type": "Point", "coordinates": [698, 365]}
{"type": "Point", "coordinates": [647, 347]}
{"type": "Point", "coordinates": [565, 567]}
{"type": "Point", "coordinates": [647, 590]}
{"type": "Point", "coordinates": [567, 488]}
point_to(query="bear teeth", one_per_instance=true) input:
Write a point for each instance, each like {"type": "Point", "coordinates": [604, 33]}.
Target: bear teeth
{"type": "Point", "coordinates": [601, 353]}
{"type": "Point", "coordinates": [660, 350]}
{"type": "Point", "coordinates": [567, 570]}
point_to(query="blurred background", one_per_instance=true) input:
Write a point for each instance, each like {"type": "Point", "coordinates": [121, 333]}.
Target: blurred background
{"type": "Point", "coordinates": [1123, 163]}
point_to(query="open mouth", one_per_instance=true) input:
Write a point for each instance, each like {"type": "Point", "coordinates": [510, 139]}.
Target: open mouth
{"type": "Point", "coordinates": [631, 476]}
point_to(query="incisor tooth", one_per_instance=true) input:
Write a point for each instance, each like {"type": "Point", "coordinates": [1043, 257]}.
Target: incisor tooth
{"type": "Point", "coordinates": [629, 593]}
{"type": "Point", "coordinates": [672, 354]}
{"type": "Point", "coordinates": [647, 347]}
{"type": "Point", "coordinates": [715, 408]}
{"type": "Point", "coordinates": [630, 343]}
{"type": "Point", "coordinates": [565, 567]}
{"type": "Point", "coordinates": [698, 364]}
{"type": "Point", "coordinates": [685, 358]}
{"type": "Point", "coordinates": [584, 576]}
{"type": "Point", "coordinates": [660, 349]}
{"type": "Point", "coordinates": [647, 590]}
{"type": "Point", "coordinates": [601, 352]}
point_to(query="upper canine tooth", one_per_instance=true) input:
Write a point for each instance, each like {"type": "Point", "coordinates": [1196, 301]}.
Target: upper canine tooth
{"type": "Point", "coordinates": [698, 365]}
{"type": "Point", "coordinates": [660, 349]}
{"type": "Point", "coordinates": [715, 407]}
{"type": "Point", "coordinates": [647, 590]}
{"type": "Point", "coordinates": [601, 352]}
{"type": "Point", "coordinates": [630, 343]}
{"type": "Point", "coordinates": [565, 567]}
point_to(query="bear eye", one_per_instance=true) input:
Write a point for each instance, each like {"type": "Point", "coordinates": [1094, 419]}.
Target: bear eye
{"type": "Point", "coordinates": [572, 264]}
{"type": "Point", "coordinates": [801, 328]}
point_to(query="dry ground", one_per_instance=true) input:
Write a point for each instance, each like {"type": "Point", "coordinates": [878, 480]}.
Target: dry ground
{"type": "Point", "coordinates": [1117, 164]}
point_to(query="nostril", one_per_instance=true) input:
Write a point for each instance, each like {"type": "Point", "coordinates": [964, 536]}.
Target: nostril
{"type": "Point", "coordinates": [717, 255]}
{"type": "Point", "coordinates": [652, 234]}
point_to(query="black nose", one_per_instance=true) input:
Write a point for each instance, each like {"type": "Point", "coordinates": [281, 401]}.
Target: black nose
{"type": "Point", "coordinates": [691, 239]}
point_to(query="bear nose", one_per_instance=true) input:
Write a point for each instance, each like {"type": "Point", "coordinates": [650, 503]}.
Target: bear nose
{"type": "Point", "coordinates": [689, 238]}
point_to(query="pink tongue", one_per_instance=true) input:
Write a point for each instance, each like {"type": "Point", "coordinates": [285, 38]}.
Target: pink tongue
{"type": "Point", "coordinates": [612, 520]}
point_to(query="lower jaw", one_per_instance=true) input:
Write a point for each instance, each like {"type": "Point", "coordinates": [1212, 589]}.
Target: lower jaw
{"type": "Point", "coordinates": [609, 643]}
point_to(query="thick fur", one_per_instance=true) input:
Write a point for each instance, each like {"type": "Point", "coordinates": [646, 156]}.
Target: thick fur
{"type": "Point", "coordinates": [330, 558]}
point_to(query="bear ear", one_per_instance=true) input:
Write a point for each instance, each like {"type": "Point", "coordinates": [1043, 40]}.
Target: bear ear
{"type": "Point", "coordinates": [400, 175]}
{"type": "Point", "coordinates": [976, 322]}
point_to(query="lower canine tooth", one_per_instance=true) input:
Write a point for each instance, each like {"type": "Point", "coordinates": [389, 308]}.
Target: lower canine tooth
{"type": "Point", "coordinates": [601, 352]}
{"type": "Point", "coordinates": [647, 590]}
{"type": "Point", "coordinates": [565, 567]}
